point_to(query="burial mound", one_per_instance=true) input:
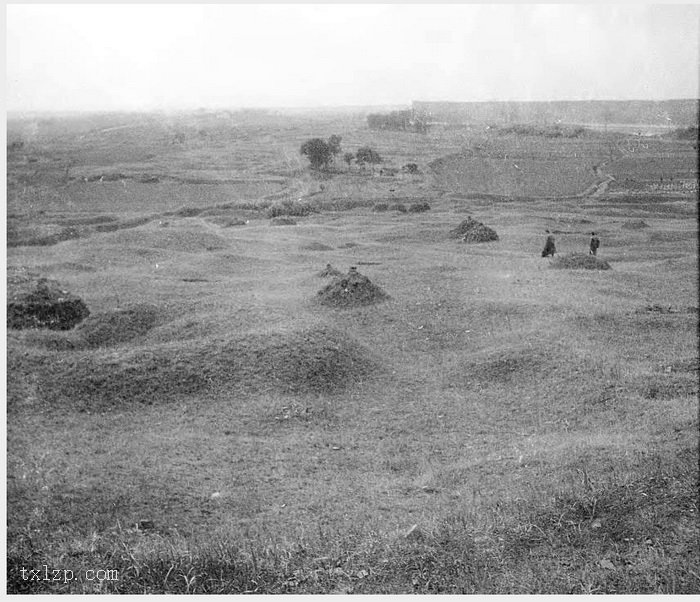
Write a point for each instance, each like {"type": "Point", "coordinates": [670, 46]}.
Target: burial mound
{"type": "Point", "coordinates": [351, 290]}
{"type": "Point", "coordinates": [317, 359]}
{"type": "Point", "coordinates": [42, 303]}
{"type": "Point", "coordinates": [471, 230]}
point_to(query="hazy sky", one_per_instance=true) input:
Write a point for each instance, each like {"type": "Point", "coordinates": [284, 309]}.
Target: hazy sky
{"type": "Point", "coordinates": [104, 57]}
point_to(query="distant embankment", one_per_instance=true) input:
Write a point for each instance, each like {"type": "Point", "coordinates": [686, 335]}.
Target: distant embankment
{"type": "Point", "coordinates": [672, 113]}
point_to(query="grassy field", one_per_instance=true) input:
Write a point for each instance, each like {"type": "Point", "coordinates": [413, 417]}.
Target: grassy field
{"type": "Point", "coordinates": [494, 426]}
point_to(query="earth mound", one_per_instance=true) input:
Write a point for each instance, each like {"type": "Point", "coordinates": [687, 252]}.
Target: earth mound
{"type": "Point", "coordinates": [504, 366]}
{"type": "Point", "coordinates": [471, 230]}
{"type": "Point", "coordinates": [42, 235]}
{"type": "Point", "coordinates": [118, 326]}
{"type": "Point", "coordinates": [42, 303]}
{"type": "Point", "coordinates": [316, 360]}
{"type": "Point", "coordinates": [351, 290]}
{"type": "Point", "coordinates": [579, 261]}
{"type": "Point", "coordinates": [330, 271]}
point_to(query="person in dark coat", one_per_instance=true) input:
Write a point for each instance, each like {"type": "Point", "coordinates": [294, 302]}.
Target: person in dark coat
{"type": "Point", "coordinates": [549, 247]}
{"type": "Point", "coordinates": [595, 243]}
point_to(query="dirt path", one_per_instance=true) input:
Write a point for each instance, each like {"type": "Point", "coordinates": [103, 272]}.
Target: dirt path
{"type": "Point", "coordinates": [600, 189]}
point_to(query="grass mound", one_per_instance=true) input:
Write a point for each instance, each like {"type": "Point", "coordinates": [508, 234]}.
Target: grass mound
{"type": "Point", "coordinates": [43, 304]}
{"type": "Point", "coordinates": [634, 224]}
{"type": "Point", "coordinates": [471, 230]}
{"type": "Point", "coordinates": [330, 271]}
{"type": "Point", "coordinates": [351, 290]}
{"type": "Point", "coordinates": [119, 326]}
{"type": "Point", "coordinates": [502, 367]}
{"type": "Point", "coordinates": [42, 235]}
{"type": "Point", "coordinates": [187, 212]}
{"type": "Point", "coordinates": [318, 360]}
{"type": "Point", "coordinates": [579, 261]}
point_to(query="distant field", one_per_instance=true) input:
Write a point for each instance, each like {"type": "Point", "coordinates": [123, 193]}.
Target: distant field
{"type": "Point", "coordinates": [493, 426]}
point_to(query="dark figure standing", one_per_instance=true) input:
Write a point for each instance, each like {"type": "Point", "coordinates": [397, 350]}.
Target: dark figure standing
{"type": "Point", "coordinates": [549, 248]}
{"type": "Point", "coordinates": [595, 243]}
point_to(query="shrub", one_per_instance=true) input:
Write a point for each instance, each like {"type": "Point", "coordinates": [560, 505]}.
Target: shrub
{"type": "Point", "coordinates": [296, 208]}
{"type": "Point", "coordinates": [419, 207]}
{"type": "Point", "coordinates": [366, 154]}
{"type": "Point", "coordinates": [188, 212]}
{"type": "Point", "coordinates": [283, 221]}
{"type": "Point", "coordinates": [579, 261]}
{"type": "Point", "coordinates": [400, 207]}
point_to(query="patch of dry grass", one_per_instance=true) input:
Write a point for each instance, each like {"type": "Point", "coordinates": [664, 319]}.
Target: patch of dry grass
{"type": "Point", "coordinates": [580, 261]}
{"type": "Point", "coordinates": [539, 432]}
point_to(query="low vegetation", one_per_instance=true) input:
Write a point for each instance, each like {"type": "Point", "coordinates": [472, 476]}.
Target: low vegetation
{"type": "Point", "coordinates": [580, 261]}
{"type": "Point", "coordinates": [232, 417]}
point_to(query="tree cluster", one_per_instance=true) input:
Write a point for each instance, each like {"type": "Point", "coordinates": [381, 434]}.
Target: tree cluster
{"type": "Point", "coordinates": [366, 154]}
{"type": "Point", "coordinates": [321, 153]}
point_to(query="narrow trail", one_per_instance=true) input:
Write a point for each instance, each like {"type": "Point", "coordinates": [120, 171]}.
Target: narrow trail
{"type": "Point", "coordinates": [600, 189]}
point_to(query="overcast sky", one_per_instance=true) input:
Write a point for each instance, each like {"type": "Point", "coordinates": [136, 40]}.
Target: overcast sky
{"type": "Point", "coordinates": [111, 57]}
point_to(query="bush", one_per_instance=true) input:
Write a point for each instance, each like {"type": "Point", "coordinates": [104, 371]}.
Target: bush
{"type": "Point", "coordinates": [380, 207]}
{"type": "Point", "coordinates": [188, 212]}
{"type": "Point", "coordinates": [579, 261]}
{"type": "Point", "coordinates": [400, 207]}
{"type": "Point", "coordinates": [366, 154]}
{"type": "Point", "coordinates": [419, 207]}
{"type": "Point", "coordinates": [296, 208]}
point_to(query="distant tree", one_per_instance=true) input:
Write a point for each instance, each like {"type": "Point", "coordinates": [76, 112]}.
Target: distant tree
{"type": "Point", "coordinates": [348, 158]}
{"type": "Point", "coordinates": [366, 154]}
{"type": "Point", "coordinates": [318, 152]}
{"type": "Point", "coordinates": [334, 144]}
